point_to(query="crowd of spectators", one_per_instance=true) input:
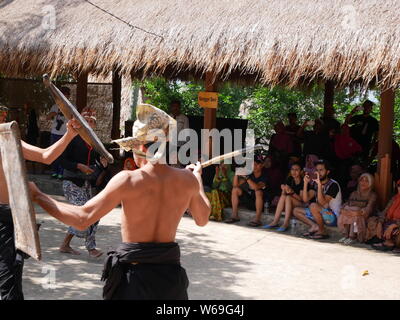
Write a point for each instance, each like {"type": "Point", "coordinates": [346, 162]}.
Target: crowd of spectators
{"type": "Point", "coordinates": [319, 173]}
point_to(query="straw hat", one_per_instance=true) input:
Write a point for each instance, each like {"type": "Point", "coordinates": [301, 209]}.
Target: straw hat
{"type": "Point", "coordinates": [151, 125]}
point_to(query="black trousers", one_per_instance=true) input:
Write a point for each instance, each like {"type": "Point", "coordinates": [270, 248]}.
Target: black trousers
{"type": "Point", "coordinates": [11, 260]}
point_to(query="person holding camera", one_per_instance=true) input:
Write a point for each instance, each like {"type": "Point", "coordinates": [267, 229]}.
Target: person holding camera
{"type": "Point", "coordinates": [324, 200]}
{"type": "Point", "coordinates": [82, 166]}
{"type": "Point", "coordinates": [58, 129]}
{"type": "Point", "coordinates": [364, 128]}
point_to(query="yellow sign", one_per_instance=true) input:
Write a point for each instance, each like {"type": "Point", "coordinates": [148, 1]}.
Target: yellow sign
{"type": "Point", "coordinates": [208, 99]}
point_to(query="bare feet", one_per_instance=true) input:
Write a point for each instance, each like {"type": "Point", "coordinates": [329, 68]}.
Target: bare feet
{"type": "Point", "coordinates": [68, 249]}
{"type": "Point", "coordinates": [95, 253]}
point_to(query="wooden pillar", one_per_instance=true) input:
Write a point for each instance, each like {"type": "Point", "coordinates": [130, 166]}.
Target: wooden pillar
{"type": "Point", "coordinates": [210, 114]}
{"type": "Point", "coordinates": [383, 177]}
{"type": "Point", "coordinates": [329, 93]}
{"type": "Point", "coordinates": [116, 96]}
{"type": "Point", "coordinates": [81, 91]}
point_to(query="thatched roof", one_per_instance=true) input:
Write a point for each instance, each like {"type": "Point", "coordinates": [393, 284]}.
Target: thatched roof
{"type": "Point", "coordinates": [272, 41]}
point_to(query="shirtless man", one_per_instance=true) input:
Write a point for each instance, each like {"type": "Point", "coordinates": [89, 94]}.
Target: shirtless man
{"type": "Point", "coordinates": [11, 260]}
{"type": "Point", "coordinates": [147, 263]}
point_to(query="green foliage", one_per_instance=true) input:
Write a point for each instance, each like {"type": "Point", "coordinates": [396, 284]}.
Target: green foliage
{"type": "Point", "coordinates": [265, 106]}
{"type": "Point", "coordinates": [161, 93]}
{"type": "Point", "coordinates": [272, 105]}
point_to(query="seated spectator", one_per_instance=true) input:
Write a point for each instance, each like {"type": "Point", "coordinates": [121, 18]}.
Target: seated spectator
{"type": "Point", "coordinates": [291, 197]}
{"type": "Point", "coordinates": [325, 209]}
{"type": "Point", "coordinates": [220, 194]}
{"type": "Point", "coordinates": [311, 160]}
{"type": "Point", "coordinates": [384, 229]}
{"type": "Point", "coordinates": [275, 177]}
{"type": "Point", "coordinates": [356, 171]}
{"type": "Point", "coordinates": [250, 191]}
{"type": "Point", "coordinates": [356, 211]}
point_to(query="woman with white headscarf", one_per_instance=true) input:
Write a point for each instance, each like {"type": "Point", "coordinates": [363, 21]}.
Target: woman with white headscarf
{"type": "Point", "coordinates": [355, 212]}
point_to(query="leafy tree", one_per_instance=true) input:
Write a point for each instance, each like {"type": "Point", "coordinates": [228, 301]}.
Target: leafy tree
{"type": "Point", "coordinates": [265, 106]}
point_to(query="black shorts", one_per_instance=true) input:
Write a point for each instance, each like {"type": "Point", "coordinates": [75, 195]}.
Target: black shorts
{"type": "Point", "coordinates": [248, 199]}
{"type": "Point", "coordinates": [11, 260]}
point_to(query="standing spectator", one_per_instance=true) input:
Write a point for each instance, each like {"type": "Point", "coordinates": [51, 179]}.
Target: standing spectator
{"type": "Point", "coordinates": [365, 127]}
{"type": "Point", "coordinates": [290, 198]}
{"type": "Point", "coordinates": [182, 122]}
{"type": "Point", "coordinates": [346, 150]}
{"type": "Point", "coordinates": [32, 128]}
{"type": "Point", "coordinates": [30, 132]}
{"type": "Point", "coordinates": [249, 190]}
{"type": "Point", "coordinates": [356, 211]}
{"type": "Point", "coordinates": [291, 129]}
{"type": "Point", "coordinates": [281, 145]}
{"type": "Point", "coordinates": [315, 141]}
{"type": "Point", "coordinates": [395, 158]}
{"type": "Point", "coordinates": [3, 114]}
{"type": "Point", "coordinates": [328, 118]}
{"type": "Point", "coordinates": [58, 129]}
{"type": "Point", "coordinates": [82, 168]}
{"type": "Point", "coordinates": [326, 208]}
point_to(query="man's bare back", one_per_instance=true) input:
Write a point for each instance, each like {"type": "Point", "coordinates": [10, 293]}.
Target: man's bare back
{"type": "Point", "coordinates": [154, 200]}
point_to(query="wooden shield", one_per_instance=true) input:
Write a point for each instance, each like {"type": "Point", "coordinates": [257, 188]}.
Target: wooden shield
{"type": "Point", "coordinates": [26, 235]}
{"type": "Point", "coordinates": [70, 111]}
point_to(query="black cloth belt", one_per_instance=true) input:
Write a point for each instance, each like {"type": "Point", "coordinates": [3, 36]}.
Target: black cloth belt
{"type": "Point", "coordinates": [144, 271]}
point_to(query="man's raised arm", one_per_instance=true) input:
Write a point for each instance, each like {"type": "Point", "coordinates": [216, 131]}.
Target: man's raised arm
{"type": "Point", "coordinates": [199, 205]}
{"type": "Point", "coordinates": [48, 155]}
{"type": "Point", "coordinates": [81, 217]}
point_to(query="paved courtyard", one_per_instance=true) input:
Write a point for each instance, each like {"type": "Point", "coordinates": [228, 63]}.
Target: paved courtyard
{"type": "Point", "coordinates": [224, 262]}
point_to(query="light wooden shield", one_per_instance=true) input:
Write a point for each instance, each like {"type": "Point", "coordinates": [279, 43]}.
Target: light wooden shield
{"type": "Point", "coordinates": [26, 235]}
{"type": "Point", "coordinates": [70, 111]}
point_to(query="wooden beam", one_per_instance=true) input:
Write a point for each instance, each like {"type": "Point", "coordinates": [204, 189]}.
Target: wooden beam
{"type": "Point", "coordinates": [384, 176]}
{"type": "Point", "coordinates": [116, 96]}
{"type": "Point", "coordinates": [210, 115]}
{"type": "Point", "coordinates": [329, 93]}
{"type": "Point", "coordinates": [81, 91]}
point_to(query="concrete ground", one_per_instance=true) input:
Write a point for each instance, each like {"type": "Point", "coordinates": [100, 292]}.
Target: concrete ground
{"type": "Point", "coordinates": [224, 262]}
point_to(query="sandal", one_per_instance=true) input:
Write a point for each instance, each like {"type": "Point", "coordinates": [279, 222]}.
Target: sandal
{"type": "Point", "coordinates": [382, 247]}
{"type": "Point", "coordinates": [349, 241]}
{"type": "Point", "coordinates": [232, 220]}
{"type": "Point", "coordinates": [269, 226]}
{"type": "Point", "coordinates": [343, 240]}
{"type": "Point", "coordinates": [318, 236]}
{"type": "Point", "coordinates": [308, 234]}
{"type": "Point", "coordinates": [254, 224]}
{"type": "Point", "coordinates": [282, 229]}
